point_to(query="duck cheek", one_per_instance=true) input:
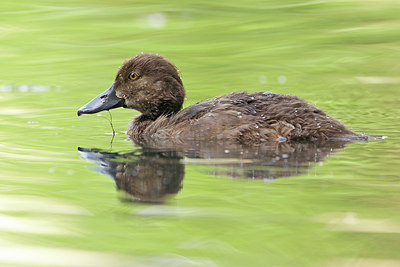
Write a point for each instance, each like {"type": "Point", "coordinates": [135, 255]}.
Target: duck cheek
{"type": "Point", "coordinates": [119, 94]}
{"type": "Point", "coordinates": [131, 104]}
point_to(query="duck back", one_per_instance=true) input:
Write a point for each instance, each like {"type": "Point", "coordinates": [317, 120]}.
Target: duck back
{"type": "Point", "coordinates": [242, 117]}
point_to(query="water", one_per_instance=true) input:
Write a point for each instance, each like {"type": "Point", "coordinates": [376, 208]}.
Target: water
{"type": "Point", "coordinates": [220, 207]}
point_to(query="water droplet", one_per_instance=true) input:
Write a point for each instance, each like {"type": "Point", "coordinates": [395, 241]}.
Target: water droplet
{"type": "Point", "coordinates": [23, 88]}
{"type": "Point", "coordinates": [154, 21]}
{"type": "Point", "coordinates": [6, 88]}
{"type": "Point", "coordinates": [282, 79]}
{"type": "Point", "coordinates": [281, 139]}
{"type": "Point", "coordinates": [268, 180]}
{"type": "Point", "coordinates": [262, 79]}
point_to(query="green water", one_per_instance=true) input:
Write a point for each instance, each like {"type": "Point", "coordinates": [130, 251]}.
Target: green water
{"type": "Point", "coordinates": [342, 56]}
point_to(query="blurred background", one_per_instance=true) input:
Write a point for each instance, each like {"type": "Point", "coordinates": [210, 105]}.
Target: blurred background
{"type": "Point", "coordinates": [342, 56]}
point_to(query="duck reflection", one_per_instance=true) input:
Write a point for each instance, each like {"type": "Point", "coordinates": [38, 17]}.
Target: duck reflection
{"type": "Point", "coordinates": [147, 175]}
{"type": "Point", "coordinates": [154, 174]}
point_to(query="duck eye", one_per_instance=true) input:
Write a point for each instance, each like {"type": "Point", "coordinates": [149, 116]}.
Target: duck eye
{"type": "Point", "coordinates": [133, 76]}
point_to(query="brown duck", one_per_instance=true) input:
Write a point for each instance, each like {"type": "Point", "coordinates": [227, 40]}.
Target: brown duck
{"type": "Point", "coordinates": [152, 85]}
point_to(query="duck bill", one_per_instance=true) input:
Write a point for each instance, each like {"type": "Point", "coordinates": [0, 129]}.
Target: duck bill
{"type": "Point", "coordinates": [105, 101]}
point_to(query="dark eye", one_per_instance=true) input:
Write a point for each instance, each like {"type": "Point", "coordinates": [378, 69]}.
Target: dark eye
{"type": "Point", "coordinates": [133, 76]}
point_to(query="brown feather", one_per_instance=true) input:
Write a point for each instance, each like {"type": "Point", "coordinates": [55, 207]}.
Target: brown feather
{"type": "Point", "coordinates": [239, 117]}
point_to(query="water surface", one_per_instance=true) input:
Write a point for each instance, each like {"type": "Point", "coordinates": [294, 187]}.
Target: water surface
{"type": "Point", "coordinates": [216, 208]}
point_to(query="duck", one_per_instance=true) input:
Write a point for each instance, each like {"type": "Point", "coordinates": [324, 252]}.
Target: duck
{"type": "Point", "coordinates": [152, 85]}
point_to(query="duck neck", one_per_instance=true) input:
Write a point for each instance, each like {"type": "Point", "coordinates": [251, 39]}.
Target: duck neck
{"type": "Point", "coordinates": [166, 108]}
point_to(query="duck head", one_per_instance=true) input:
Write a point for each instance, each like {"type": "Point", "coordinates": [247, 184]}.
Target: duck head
{"type": "Point", "coordinates": [148, 83]}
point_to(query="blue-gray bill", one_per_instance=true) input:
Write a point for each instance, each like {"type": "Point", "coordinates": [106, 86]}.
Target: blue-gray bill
{"type": "Point", "coordinates": [105, 101]}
